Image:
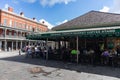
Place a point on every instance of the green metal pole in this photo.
(47, 49)
(77, 44)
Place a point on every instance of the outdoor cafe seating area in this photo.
(107, 57)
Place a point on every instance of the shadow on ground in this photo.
(100, 70)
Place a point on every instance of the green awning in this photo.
(82, 34)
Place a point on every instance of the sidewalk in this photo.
(9, 53)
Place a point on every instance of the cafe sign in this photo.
(89, 33)
(92, 32)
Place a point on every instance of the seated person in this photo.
(118, 50)
(90, 52)
(85, 51)
(113, 52)
(105, 53)
(105, 57)
(74, 53)
(90, 56)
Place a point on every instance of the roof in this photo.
(92, 19)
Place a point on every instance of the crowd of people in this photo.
(106, 56)
(35, 51)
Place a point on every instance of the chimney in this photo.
(10, 9)
(22, 14)
(34, 19)
(43, 22)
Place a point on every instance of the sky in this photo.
(56, 12)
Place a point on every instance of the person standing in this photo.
(19, 51)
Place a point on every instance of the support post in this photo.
(59, 45)
(77, 44)
(29, 42)
(16, 45)
(5, 46)
(47, 49)
(21, 45)
(12, 45)
(0, 45)
(85, 43)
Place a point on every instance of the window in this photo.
(23, 26)
(10, 23)
(10, 33)
(36, 29)
(33, 29)
(23, 34)
(15, 34)
(15, 24)
(30, 28)
(27, 27)
(20, 25)
(5, 22)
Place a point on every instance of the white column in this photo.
(5, 32)
(85, 43)
(55, 44)
(5, 46)
(29, 42)
(12, 45)
(0, 45)
(21, 45)
(66, 44)
(25, 43)
(16, 45)
(77, 44)
(36, 42)
(17, 34)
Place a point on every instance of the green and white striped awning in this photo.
(83, 33)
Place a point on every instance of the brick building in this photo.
(14, 28)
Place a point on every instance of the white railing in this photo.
(2, 36)
(14, 37)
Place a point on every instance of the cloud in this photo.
(29, 1)
(15, 1)
(45, 2)
(53, 2)
(58, 23)
(6, 6)
(46, 23)
(116, 6)
(105, 9)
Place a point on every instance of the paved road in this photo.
(16, 67)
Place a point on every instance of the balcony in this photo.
(15, 37)
(2, 36)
